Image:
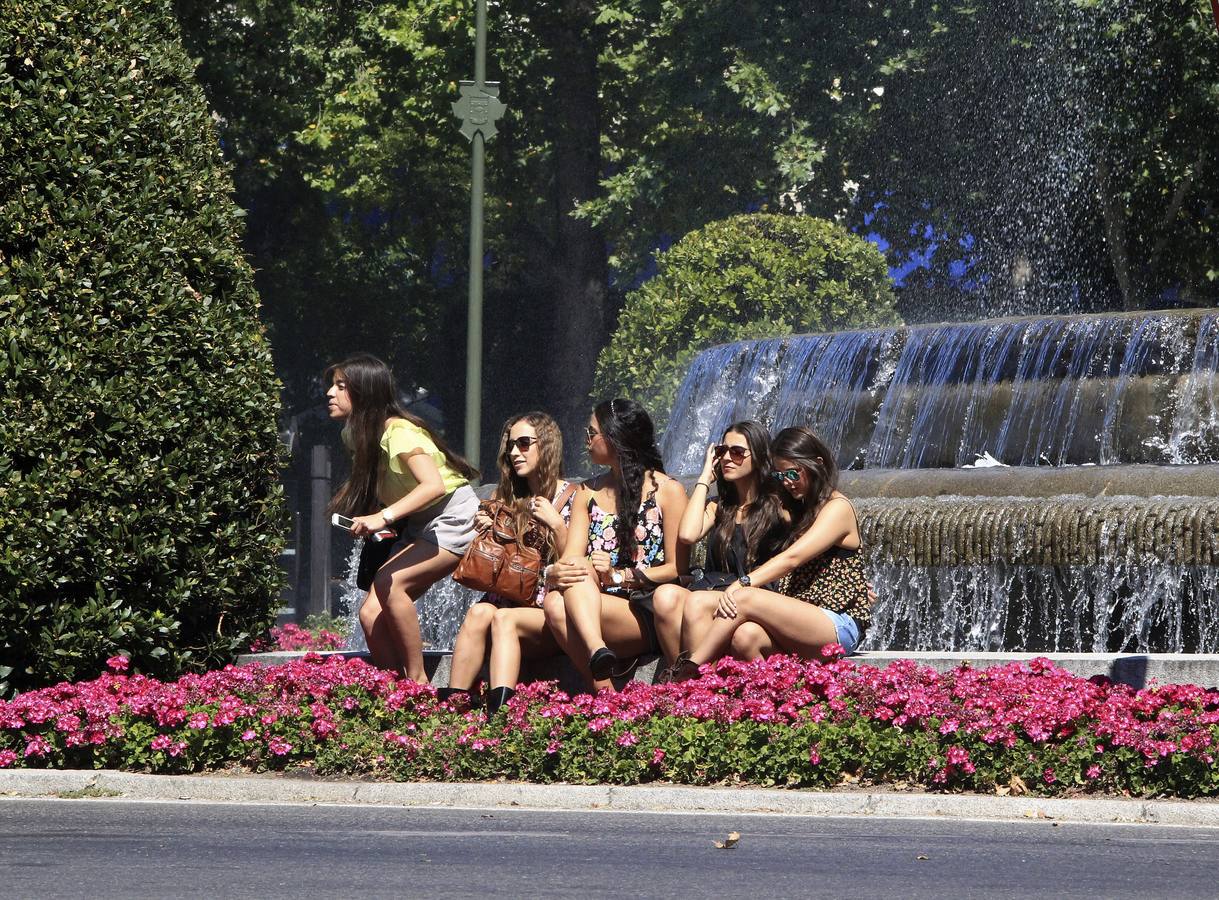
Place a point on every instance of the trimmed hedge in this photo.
(139, 497)
(747, 276)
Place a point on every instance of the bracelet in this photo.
(702, 484)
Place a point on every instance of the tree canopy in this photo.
(1035, 156)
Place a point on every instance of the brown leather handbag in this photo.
(499, 561)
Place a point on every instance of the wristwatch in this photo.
(745, 581)
(617, 577)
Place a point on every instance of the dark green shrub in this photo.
(748, 276)
(139, 499)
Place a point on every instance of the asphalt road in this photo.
(100, 848)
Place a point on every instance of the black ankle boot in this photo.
(449, 693)
(497, 697)
(602, 663)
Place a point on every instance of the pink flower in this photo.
(7, 758)
(160, 742)
(249, 734)
(198, 720)
(658, 756)
(1093, 772)
(957, 756)
(118, 663)
(627, 739)
(279, 746)
(37, 746)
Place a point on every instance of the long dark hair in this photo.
(374, 400)
(514, 489)
(629, 430)
(764, 526)
(811, 454)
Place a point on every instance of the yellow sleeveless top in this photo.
(396, 482)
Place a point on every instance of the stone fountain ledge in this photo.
(1136, 670)
(1034, 481)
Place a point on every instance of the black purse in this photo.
(709, 581)
(373, 555)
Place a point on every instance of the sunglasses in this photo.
(591, 432)
(737, 454)
(792, 475)
(521, 443)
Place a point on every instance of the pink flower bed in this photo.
(293, 637)
(780, 721)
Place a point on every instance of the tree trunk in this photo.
(579, 284)
(1115, 234)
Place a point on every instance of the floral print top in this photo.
(649, 535)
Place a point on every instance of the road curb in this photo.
(31, 783)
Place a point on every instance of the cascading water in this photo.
(1053, 391)
(988, 573)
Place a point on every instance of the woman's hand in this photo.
(363, 526)
(568, 573)
(727, 607)
(482, 521)
(543, 511)
(602, 565)
(709, 465)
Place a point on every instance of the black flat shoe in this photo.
(497, 697)
(602, 663)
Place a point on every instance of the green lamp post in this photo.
(478, 109)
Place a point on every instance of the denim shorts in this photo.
(847, 629)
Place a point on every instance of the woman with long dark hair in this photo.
(403, 477)
(622, 542)
(745, 524)
(530, 460)
(822, 596)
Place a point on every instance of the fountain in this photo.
(1099, 531)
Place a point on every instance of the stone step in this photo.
(1136, 670)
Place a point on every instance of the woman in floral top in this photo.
(531, 454)
(622, 543)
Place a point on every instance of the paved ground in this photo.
(103, 848)
(35, 783)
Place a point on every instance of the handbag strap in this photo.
(568, 493)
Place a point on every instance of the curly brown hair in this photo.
(514, 490)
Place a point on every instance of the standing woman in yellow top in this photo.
(402, 476)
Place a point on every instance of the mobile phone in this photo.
(342, 521)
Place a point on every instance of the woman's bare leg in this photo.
(518, 631)
(397, 585)
(697, 617)
(381, 644)
(471, 644)
(668, 605)
(626, 632)
(583, 605)
(793, 626)
(555, 609)
(750, 641)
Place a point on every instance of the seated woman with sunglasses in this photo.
(823, 596)
(745, 524)
(621, 543)
(529, 483)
